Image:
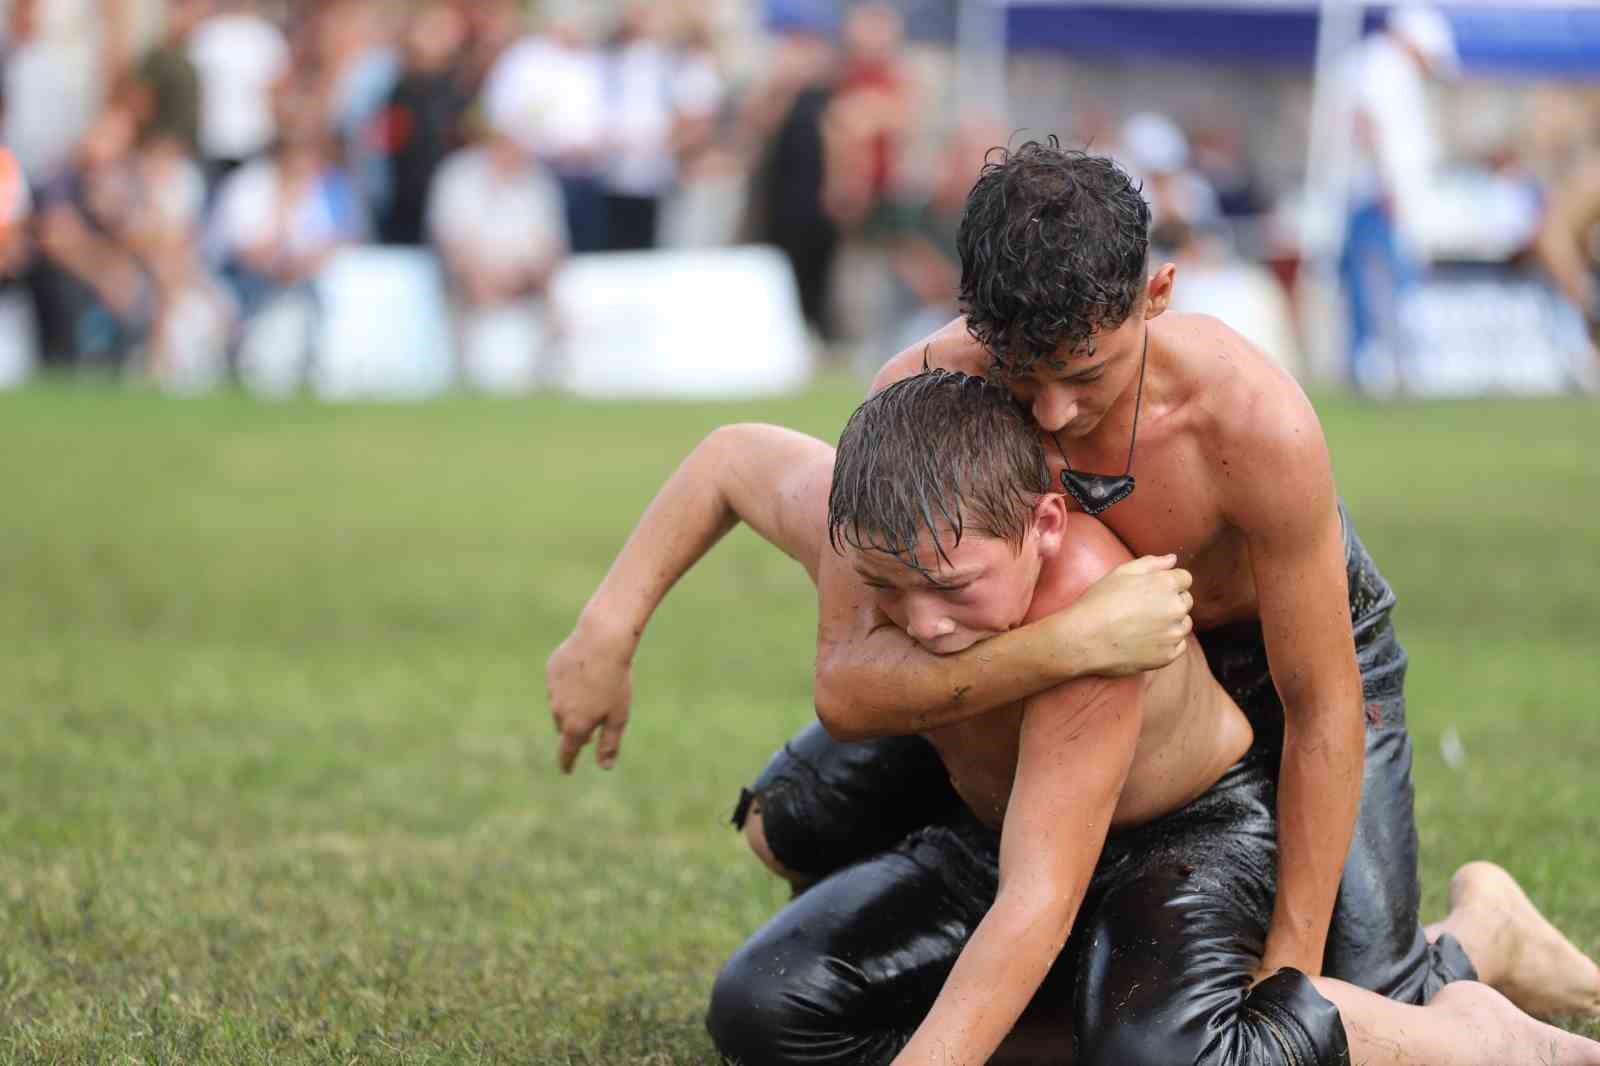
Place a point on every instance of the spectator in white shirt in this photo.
(279, 219)
(1386, 109)
(496, 217)
(547, 93)
(50, 98)
(641, 107)
(239, 57)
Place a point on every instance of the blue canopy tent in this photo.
(1544, 40)
(1532, 39)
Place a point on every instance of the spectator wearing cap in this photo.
(1182, 201)
(1396, 155)
(95, 295)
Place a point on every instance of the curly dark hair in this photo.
(1053, 246)
(941, 449)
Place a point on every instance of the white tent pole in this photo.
(981, 57)
(1328, 145)
(1328, 160)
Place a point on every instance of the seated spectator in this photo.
(194, 313)
(497, 219)
(548, 93)
(422, 122)
(279, 220)
(168, 82)
(91, 282)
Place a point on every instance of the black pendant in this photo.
(1096, 492)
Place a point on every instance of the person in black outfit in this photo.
(423, 120)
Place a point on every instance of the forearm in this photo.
(998, 973)
(1319, 796)
(883, 684)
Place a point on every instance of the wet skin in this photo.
(1190, 731)
(1234, 478)
(1197, 371)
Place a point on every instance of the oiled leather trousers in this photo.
(1157, 969)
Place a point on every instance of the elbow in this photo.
(724, 437)
(839, 715)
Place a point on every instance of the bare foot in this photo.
(1499, 1033)
(1516, 950)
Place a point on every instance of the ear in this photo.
(1050, 523)
(1158, 290)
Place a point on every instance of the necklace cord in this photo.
(1138, 401)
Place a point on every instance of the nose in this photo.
(1052, 410)
(926, 622)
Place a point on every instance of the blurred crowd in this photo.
(220, 170)
(163, 216)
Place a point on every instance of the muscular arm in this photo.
(873, 680)
(773, 479)
(1077, 745)
(1289, 514)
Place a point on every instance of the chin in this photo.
(1079, 428)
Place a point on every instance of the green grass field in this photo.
(278, 778)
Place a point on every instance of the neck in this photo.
(1162, 390)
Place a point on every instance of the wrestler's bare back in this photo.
(1190, 731)
(1198, 369)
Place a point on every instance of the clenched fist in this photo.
(1134, 619)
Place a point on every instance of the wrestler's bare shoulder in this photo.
(950, 347)
(1089, 551)
(1238, 400)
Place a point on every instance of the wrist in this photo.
(602, 631)
(1068, 654)
(1295, 952)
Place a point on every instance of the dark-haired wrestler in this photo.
(1233, 476)
(1134, 807)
